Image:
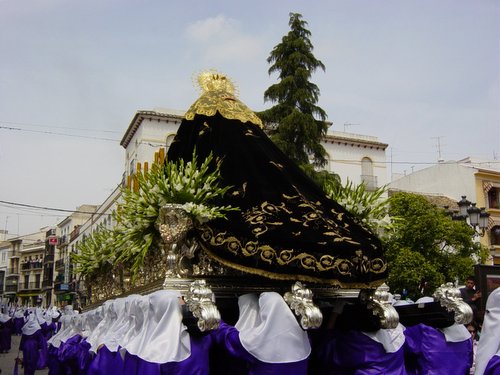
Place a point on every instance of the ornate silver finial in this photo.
(300, 301)
(200, 301)
(173, 223)
(381, 306)
(450, 298)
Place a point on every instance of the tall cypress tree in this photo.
(296, 124)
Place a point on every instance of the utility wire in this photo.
(58, 127)
(54, 133)
(49, 208)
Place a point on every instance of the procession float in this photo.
(225, 213)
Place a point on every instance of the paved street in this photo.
(7, 359)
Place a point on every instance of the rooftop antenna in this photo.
(438, 145)
(347, 124)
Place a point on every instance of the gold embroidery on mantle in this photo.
(281, 276)
(218, 95)
(263, 218)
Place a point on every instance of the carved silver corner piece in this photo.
(450, 298)
(200, 301)
(300, 301)
(173, 223)
(381, 306)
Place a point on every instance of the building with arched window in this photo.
(357, 158)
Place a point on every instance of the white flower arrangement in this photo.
(194, 186)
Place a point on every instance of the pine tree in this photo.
(296, 124)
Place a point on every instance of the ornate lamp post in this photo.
(477, 217)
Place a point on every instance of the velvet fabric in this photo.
(428, 352)
(348, 352)
(286, 229)
(53, 364)
(197, 363)
(493, 366)
(106, 362)
(6, 330)
(74, 355)
(18, 325)
(228, 337)
(34, 351)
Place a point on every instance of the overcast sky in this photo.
(414, 73)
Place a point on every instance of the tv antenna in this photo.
(438, 145)
(347, 124)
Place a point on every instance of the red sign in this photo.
(53, 241)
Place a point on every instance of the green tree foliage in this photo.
(296, 124)
(427, 246)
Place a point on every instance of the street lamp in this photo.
(478, 217)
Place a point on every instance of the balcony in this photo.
(11, 288)
(59, 263)
(12, 271)
(31, 266)
(29, 286)
(370, 182)
(47, 284)
(63, 240)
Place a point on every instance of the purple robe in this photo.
(197, 363)
(33, 347)
(74, 355)
(428, 352)
(354, 353)
(18, 325)
(493, 367)
(229, 337)
(53, 364)
(106, 362)
(6, 330)
(134, 365)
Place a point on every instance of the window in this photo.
(367, 176)
(495, 235)
(494, 198)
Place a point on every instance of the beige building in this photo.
(478, 181)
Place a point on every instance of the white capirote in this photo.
(249, 311)
(31, 325)
(108, 316)
(120, 326)
(489, 344)
(277, 337)
(391, 339)
(137, 315)
(65, 332)
(456, 333)
(163, 338)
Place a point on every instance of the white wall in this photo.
(450, 179)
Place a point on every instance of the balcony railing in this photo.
(46, 283)
(30, 286)
(59, 263)
(31, 266)
(10, 288)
